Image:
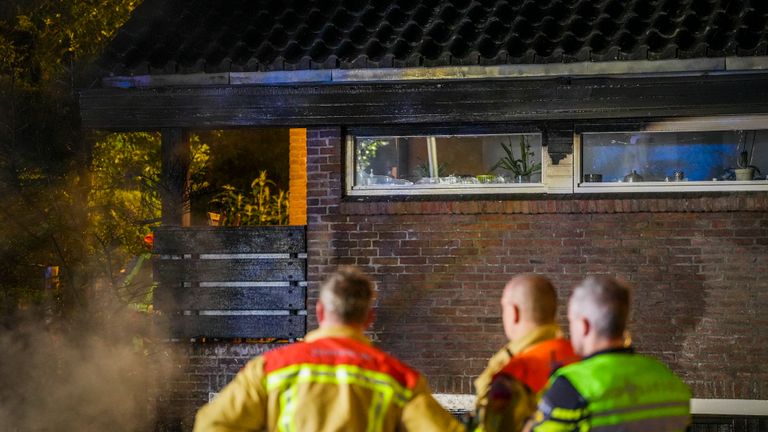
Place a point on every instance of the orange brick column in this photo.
(297, 181)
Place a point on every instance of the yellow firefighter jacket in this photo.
(333, 381)
(523, 395)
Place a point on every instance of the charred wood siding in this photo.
(704, 423)
(449, 102)
(245, 282)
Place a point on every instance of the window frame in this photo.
(440, 190)
(686, 124)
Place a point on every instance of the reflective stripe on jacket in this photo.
(333, 381)
(623, 391)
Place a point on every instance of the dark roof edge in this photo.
(330, 76)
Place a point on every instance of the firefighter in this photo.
(334, 380)
(612, 389)
(508, 389)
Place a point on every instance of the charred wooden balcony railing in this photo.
(221, 282)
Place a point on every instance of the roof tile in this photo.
(188, 36)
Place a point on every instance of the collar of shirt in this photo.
(539, 334)
(620, 350)
(340, 331)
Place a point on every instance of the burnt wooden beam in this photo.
(231, 281)
(174, 176)
(170, 271)
(455, 102)
(558, 137)
(177, 297)
(238, 326)
(230, 240)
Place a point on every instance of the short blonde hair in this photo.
(348, 294)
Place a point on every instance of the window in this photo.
(700, 155)
(438, 164)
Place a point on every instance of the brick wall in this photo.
(199, 368)
(698, 264)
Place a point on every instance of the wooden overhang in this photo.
(441, 102)
(192, 63)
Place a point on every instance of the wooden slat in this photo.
(169, 272)
(229, 240)
(238, 326)
(176, 297)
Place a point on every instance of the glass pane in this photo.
(674, 156)
(433, 161)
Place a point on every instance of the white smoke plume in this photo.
(104, 373)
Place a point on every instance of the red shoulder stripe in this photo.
(341, 351)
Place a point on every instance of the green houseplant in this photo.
(521, 167)
(261, 207)
(745, 170)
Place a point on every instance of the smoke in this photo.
(105, 372)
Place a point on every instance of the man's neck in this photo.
(336, 323)
(604, 344)
(525, 329)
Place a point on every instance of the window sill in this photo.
(681, 186)
(446, 189)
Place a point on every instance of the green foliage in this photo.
(260, 207)
(422, 170)
(45, 176)
(124, 204)
(366, 151)
(523, 166)
(45, 41)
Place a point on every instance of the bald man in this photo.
(507, 390)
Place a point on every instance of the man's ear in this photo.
(515, 314)
(369, 319)
(320, 311)
(586, 327)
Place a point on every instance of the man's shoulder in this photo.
(561, 405)
(602, 371)
(534, 365)
(623, 360)
(341, 352)
(561, 393)
(500, 359)
(405, 374)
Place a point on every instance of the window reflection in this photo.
(674, 156)
(434, 161)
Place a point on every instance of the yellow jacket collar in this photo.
(539, 334)
(340, 331)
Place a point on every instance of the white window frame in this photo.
(690, 124)
(483, 189)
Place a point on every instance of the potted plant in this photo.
(523, 167)
(745, 170)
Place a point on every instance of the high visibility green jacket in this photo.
(615, 390)
(333, 381)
